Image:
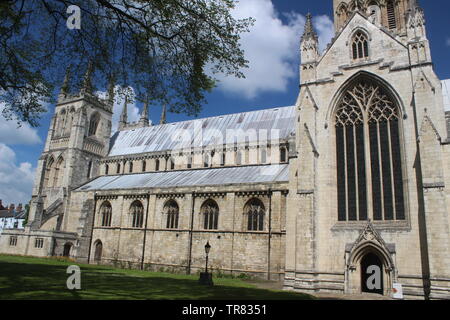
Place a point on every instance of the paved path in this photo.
(276, 285)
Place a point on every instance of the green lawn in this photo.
(35, 278)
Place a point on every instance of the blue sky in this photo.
(272, 79)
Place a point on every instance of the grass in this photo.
(39, 278)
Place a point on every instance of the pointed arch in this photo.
(58, 173)
(358, 77)
(255, 211)
(210, 212)
(93, 124)
(369, 161)
(171, 210)
(48, 182)
(105, 214)
(137, 214)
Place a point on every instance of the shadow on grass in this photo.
(39, 280)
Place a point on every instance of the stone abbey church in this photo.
(355, 175)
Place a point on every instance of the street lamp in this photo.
(207, 248)
(206, 277)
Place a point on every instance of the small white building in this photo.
(12, 219)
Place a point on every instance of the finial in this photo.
(163, 115)
(144, 116)
(124, 115)
(111, 86)
(309, 32)
(87, 83)
(65, 88)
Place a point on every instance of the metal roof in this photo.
(187, 178)
(206, 132)
(446, 94)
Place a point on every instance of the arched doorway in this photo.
(67, 247)
(98, 252)
(372, 274)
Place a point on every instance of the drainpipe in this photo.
(92, 228)
(145, 232)
(188, 271)
(270, 233)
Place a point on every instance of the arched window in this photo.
(283, 154)
(69, 122)
(360, 46)
(368, 140)
(144, 165)
(171, 164)
(254, 209)
(48, 171)
(171, 210)
(106, 169)
(210, 213)
(98, 251)
(342, 13)
(61, 123)
(206, 160)
(118, 168)
(58, 173)
(157, 165)
(238, 157)
(137, 214)
(93, 124)
(189, 162)
(263, 155)
(223, 158)
(106, 214)
(130, 166)
(391, 16)
(89, 169)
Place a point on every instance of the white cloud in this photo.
(271, 47)
(133, 110)
(16, 180)
(10, 133)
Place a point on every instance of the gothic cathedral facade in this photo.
(354, 177)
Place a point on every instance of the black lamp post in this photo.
(207, 248)
(206, 277)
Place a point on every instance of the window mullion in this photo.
(380, 163)
(346, 175)
(355, 156)
(394, 209)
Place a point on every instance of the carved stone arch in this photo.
(393, 94)
(369, 242)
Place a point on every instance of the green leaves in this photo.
(164, 49)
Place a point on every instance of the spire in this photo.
(144, 115)
(163, 115)
(87, 83)
(309, 32)
(124, 116)
(65, 86)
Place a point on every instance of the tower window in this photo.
(93, 124)
(392, 21)
(360, 46)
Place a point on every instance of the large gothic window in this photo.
(210, 212)
(106, 214)
(255, 215)
(368, 147)
(137, 214)
(171, 210)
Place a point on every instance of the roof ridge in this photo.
(212, 117)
